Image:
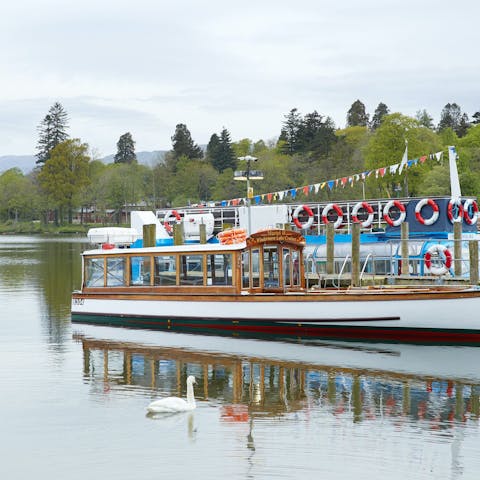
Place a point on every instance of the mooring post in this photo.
(149, 235)
(356, 255)
(330, 248)
(404, 232)
(203, 233)
(178, 233)
(473, 249)
(457, 248)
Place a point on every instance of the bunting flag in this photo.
(331, 184)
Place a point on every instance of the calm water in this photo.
(73, 398)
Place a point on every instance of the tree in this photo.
(476, 118)
(424, 119)
(378, 115)
(289, 140)
(222, 153)
(65, 174)
(357, 116)
(52, 131)
(452, 117)
(183, 144)
(125, 149)
(463, 126)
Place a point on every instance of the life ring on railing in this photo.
(457, 204)
(470, 204)
(418, 211)
(296, 214)
(167, 218)
(443, 252)
(368, 208)
(338, 222)
(388, 218)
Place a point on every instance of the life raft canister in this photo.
(388, 218)
(470, 206)
(333, 206)
(455, 210)
(418, 211)
(444, 253)
(299, 210)
(167, 218)
(368, 208)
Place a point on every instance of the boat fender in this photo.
(418, 211)
(368, 208)
(388, 218)
(470, 205)
(296, 214)
(455, 206)
(167, 218)
(444, 253)
(338, 210)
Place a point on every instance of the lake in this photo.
(73, 402)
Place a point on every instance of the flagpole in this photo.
(406, 170)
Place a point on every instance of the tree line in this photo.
(68, 179)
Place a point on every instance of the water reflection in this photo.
(247, 387)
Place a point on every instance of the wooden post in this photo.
(149, 235)
(330, 248)
(356, 255)
(404, 248)
(203, 233)
(457, 248)
(178, 235)
(473, 249)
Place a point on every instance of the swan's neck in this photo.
(190, 397)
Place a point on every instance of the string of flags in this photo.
(331, 184)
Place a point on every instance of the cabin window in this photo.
(255, 267)
(219, 269)
(140, 270)
(296, 267)
(165, 270)
(94, 272)
(287, 261)
(191, 269)
(270, 267)
(245, 269)
(116, 271)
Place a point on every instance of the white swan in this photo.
(175, 404)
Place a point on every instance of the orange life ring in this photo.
(418, 211)
(441, 251)
(298, 211)
(457, 204)
(471, 220)
(368, 208)
(166, 220)
(338, 210)
(388, 218)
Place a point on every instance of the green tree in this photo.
(476, 118)
(357, 115)
(424, 119)
(65, 175)
(222, 154)
(125, 149)
(452, 117)
(289, 139)
(183, 145)
(378, 115)
(17, 196)
(51, 131)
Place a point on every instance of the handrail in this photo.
(365, 266)
(341, 271)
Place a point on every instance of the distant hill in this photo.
(26, 163)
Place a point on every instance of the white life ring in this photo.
(444, 253)
(458, 204)
(338, 222)
(368, 208)
(386, 213)
(167, 218)
(298, 211)
(418, 211)
(471, 220)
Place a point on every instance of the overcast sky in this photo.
(144, 66)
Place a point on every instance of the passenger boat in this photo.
(257, 287)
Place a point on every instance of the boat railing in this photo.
(339, 277)
(369, 257)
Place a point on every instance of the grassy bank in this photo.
(13, 228)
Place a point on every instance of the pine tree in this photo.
(51, 131)
(290, 134)
(212, 148)
(223, 155)
(378, 115)
(424, 118)
(125, 149)
(183, 144)
(357, 116)
(476, 118)
(450, 117)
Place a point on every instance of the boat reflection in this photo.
(346, 380)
